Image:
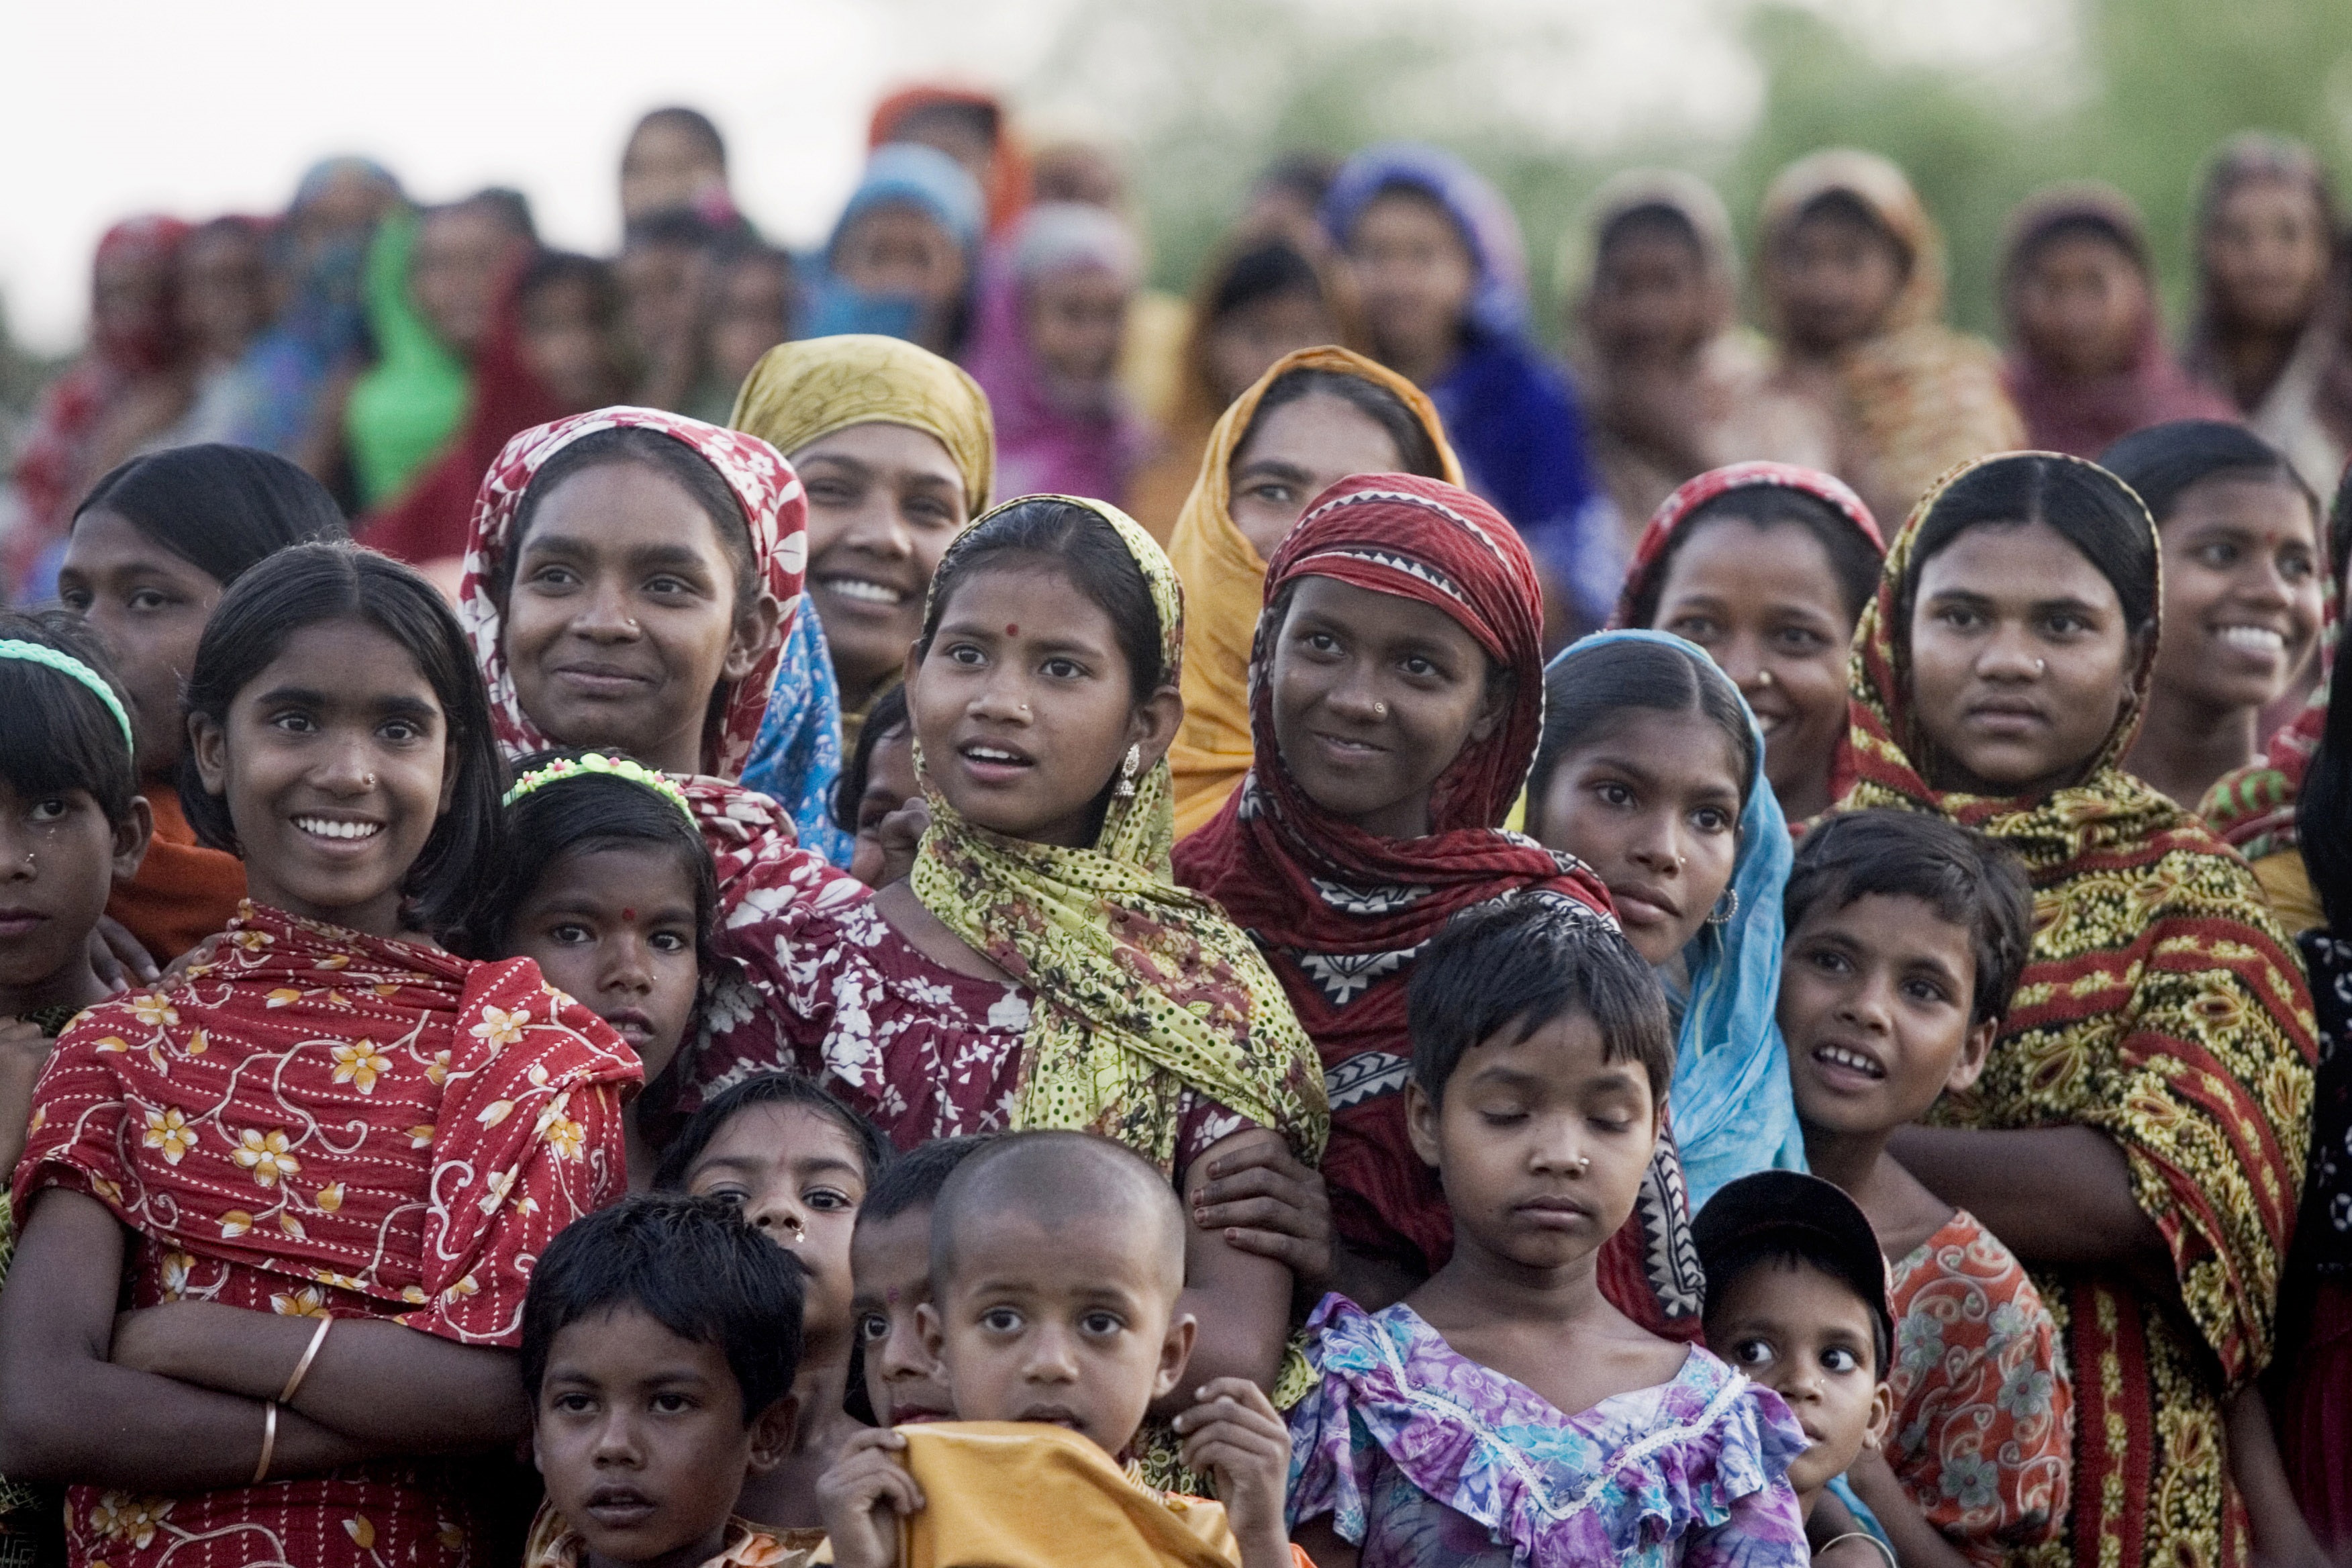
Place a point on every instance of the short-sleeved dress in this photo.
(1427, 1459)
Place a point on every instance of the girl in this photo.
(905, 253)
(2144, 1113)
(2244, 595)
(1853, 282)
(1037, 968)
(748, 305)
(2087, 362)
(1053, 318)
(1398, 692)
(154, 545)
(600, 878)
(1766, 567)
(332, 1124)
(1504, 1412)
(972, 128)
(1315, 417)
(1437, 262)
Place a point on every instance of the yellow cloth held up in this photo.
(1008, 1494)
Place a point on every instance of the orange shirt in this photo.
(183, 892)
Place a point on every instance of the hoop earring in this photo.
(1724, 908)
(1128, 766)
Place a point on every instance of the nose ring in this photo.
(1379, 709)
(1584, 1163)
(1763, 679)
(2041, 667)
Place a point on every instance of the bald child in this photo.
(1057, 1260)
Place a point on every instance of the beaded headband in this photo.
(68, 665)
(636, 773)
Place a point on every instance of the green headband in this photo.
(66, 664)
(634, 772)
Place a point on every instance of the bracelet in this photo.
(269, 1442)
(302, 1367)
(1882, 1549)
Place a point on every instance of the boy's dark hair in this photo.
(553, 268)
(913, 1180)
(586, 811)
(1042, 531)
(306, 585)
(55, 733)
(1058, 1178)
(1588, 694)
(887, 714)
(768, 1088)
(1966, 878)
(1517, 963)
(1854, 560)
(221, 508)
(1416, 448)
(693, 1266)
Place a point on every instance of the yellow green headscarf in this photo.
(800, 391)
(1140, 989)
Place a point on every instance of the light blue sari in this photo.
(797, 756)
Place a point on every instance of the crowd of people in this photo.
(917, 906)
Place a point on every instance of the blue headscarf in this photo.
(914, 175)
(796, 756)
(1498, 301)
(1731, 1105)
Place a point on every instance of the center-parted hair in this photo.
(1502, 971)
(693, 1266)
(1588, 694)
(222, 509)
(1041, 531)
(1057, 1179)
(769, 1088)
(1416, 451)
(2083, 503)
(1854, 562)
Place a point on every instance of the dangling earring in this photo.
(1128, 766)
(1724, 908)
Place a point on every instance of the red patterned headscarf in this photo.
(1667, 522)
(774, 508)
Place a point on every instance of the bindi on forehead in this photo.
(1011, 630)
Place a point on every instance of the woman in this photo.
(896, 452)
(904, 257)
(2087, 363)
(969, 127)
(1675, 384)
(1437, 263)
(1264, 465)
(2270, 320)
(2244, 589)
(1766, 567)
(2138, 1135)
(1853, 284)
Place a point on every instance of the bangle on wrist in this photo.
(269, 1442)
(1877, 1545)
(302, 1367)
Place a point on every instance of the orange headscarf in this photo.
(1008, 166)
(1225, 588)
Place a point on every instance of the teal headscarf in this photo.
(407, 405)
(1731, 1107)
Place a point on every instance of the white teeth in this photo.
(988, 754)
(1838, 1057)
(324, 828)
(2254, 639)
(859, 588)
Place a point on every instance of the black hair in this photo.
(1785, 1249)
(1265, 270)
(56, 734)
(887, 714)
(2324, 804)
(693, 1266)
(2163, 460)
(2078, 226)
(1588, 695)
(768, 1088)
(1519, 962)
(221, 508)
(1660, 220)
(509, 206)
(984, 117)
(1305, 173)
(1077, 542)
(694, 123)
(1966, 878)
(306, 585)
(553, 268)
(2085, 505)
(1846, 207)
(680, 227)
(1416, 448)
(1854, 561)
(1056, 1178)
(914, 1178)
(583, 813)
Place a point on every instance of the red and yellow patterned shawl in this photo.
(2162, 1005)
(322, 1122)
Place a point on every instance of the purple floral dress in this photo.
(1427, 1459)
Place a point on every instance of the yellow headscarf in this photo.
(1225, 589)
(1139, 989)
(800, 391)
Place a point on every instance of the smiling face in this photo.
(643, 1439)
(1806, 1336)
(1374, 697)
(612, 925)
(1539, 1144)
(148, 606)
(1415, 275)
(2081, 303)
(1077, 320)
(797, 1175)
(1293, 454)
(2266, 250)
(59, 859)
(2020, 661)
(1835, 277)
(891, 1260)
(1651, 804)
(335, 761)
(1076, 1327)
(620, 622)
(883, 501)
(1875, 1004)
(1767, 607)
(2242, 592)
(1025, 706)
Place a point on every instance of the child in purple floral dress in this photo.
(1504, 1412)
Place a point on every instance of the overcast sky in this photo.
(131, 105)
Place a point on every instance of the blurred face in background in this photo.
(224, 289)
(897, 250)
(1247, 340)
(568, 343)
(2266, 252)
(661, 293)
(1837, 275)
(128, 289)
(462, 254)
(1078, 172)
(666, 166)
(751, 312)
(1077, 320)
(1650, 298)
(1415, 275)
(2082, 304)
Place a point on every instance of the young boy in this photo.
(1056, 1259)
(659, 1341)
(1907, 935)
(890, 1273)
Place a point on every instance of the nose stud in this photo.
(1379, 709)
(1763, 679)
(1583, 1164)
(2041, 667)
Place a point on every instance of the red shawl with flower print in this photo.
(320, 1121)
